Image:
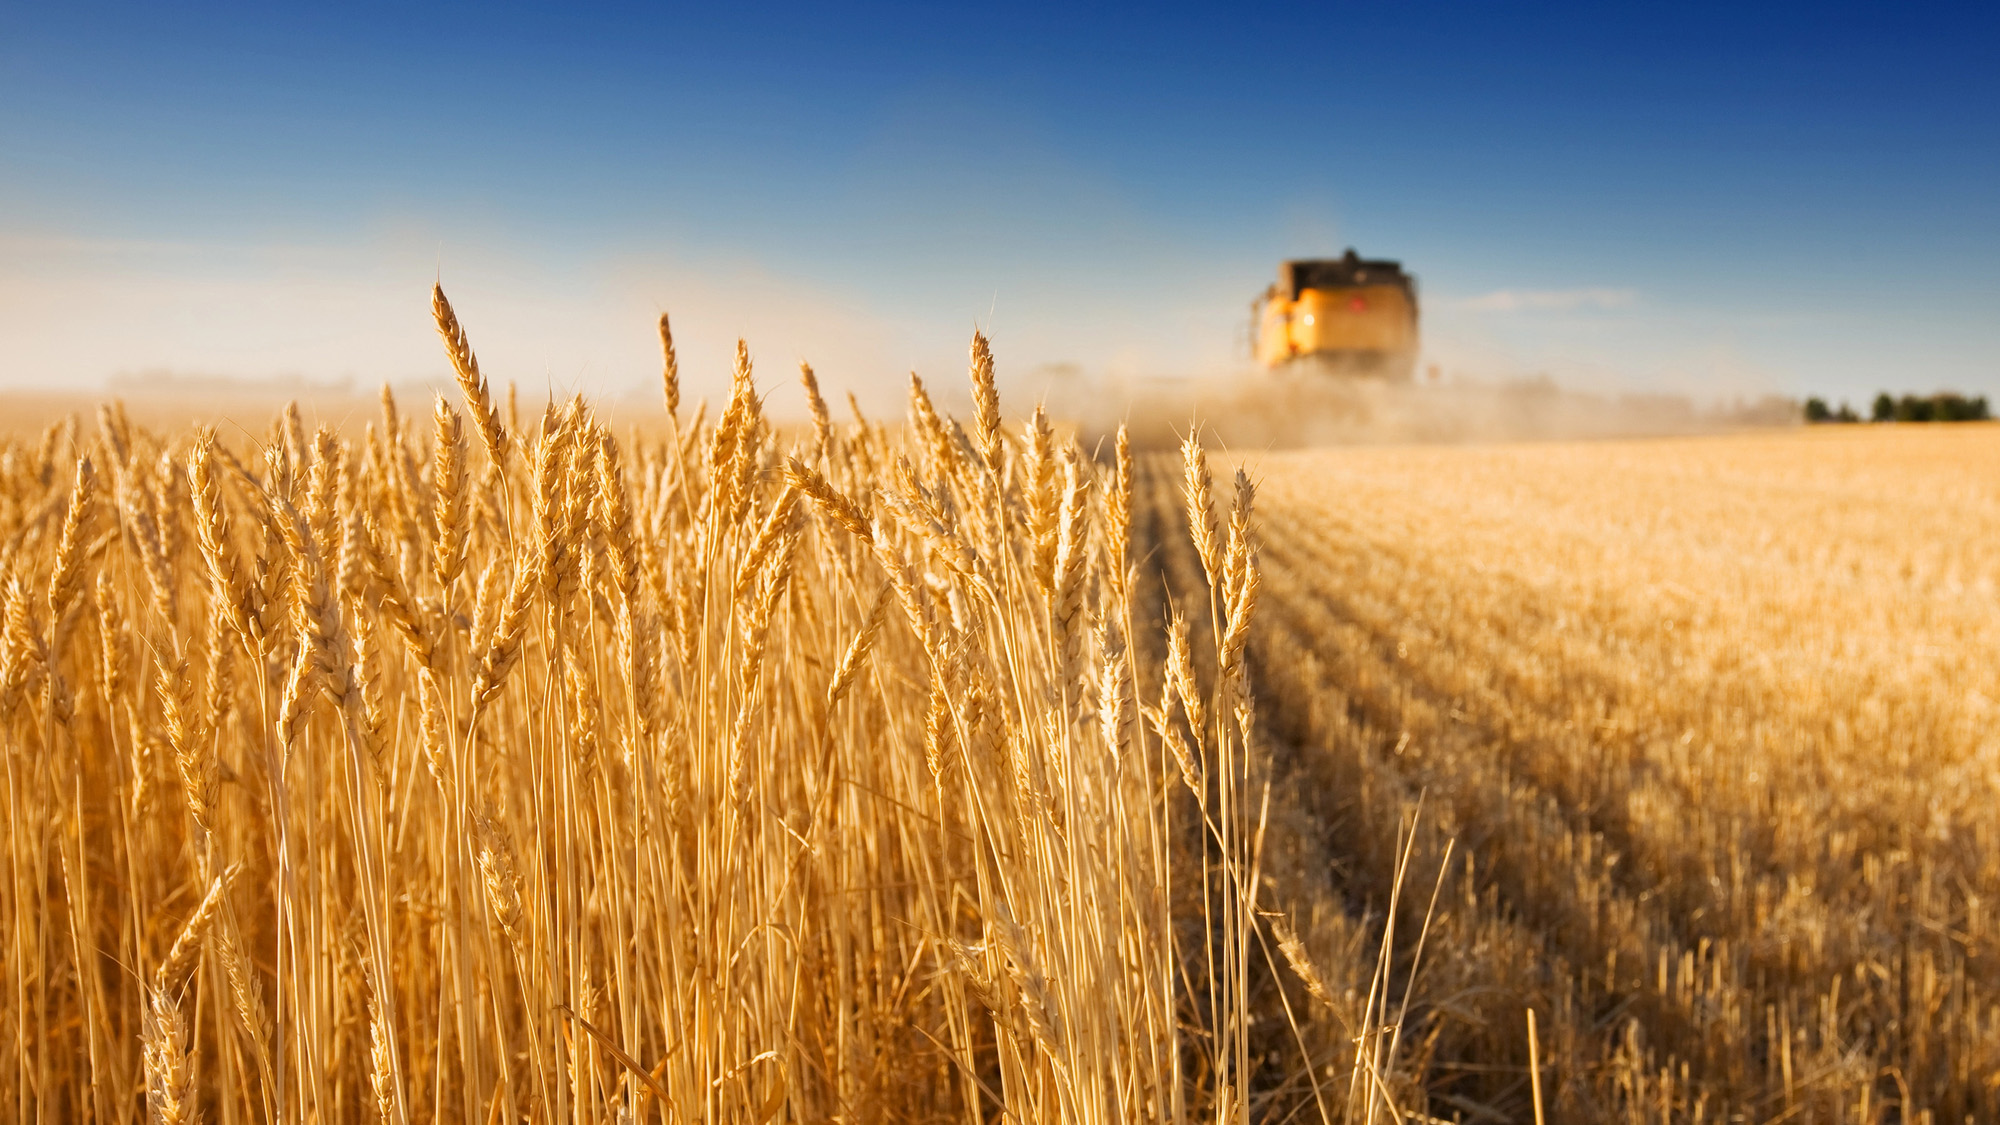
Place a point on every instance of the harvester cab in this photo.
(1348, 315)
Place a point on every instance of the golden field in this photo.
(487, 769)
(1712, 723)
(495, 765)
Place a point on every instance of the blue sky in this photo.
(1713, 198)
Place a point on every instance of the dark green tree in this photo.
(1950, 407)
(1912, 408)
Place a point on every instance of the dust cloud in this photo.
(1258, 410)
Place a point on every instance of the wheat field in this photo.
(480, 769)
(468, 766)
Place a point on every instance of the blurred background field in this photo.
(1712, 723)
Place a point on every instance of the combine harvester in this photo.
(1348, 315)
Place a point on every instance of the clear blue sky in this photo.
(1713, 197)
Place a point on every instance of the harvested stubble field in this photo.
(1712, 723)
(484, 769)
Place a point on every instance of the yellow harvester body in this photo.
(1348, 314)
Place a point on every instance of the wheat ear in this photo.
(1199, 487)
(168, 1060)
(1180, 672)
(179, 965)
(857, 651)
(1114, 702)
(66, 583)
(185, 736)
(448, 483)
(670, 373)
(816, 404)
(1042, 498)
(986, 403)
(465, 366)
(501, 875)
(1295, 956)
(1066, 607)
(1118, 516)
(831, 502)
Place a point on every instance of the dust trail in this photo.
(1302, 409)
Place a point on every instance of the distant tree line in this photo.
(1944, 406)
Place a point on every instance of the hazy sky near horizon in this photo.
(1716, 198)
